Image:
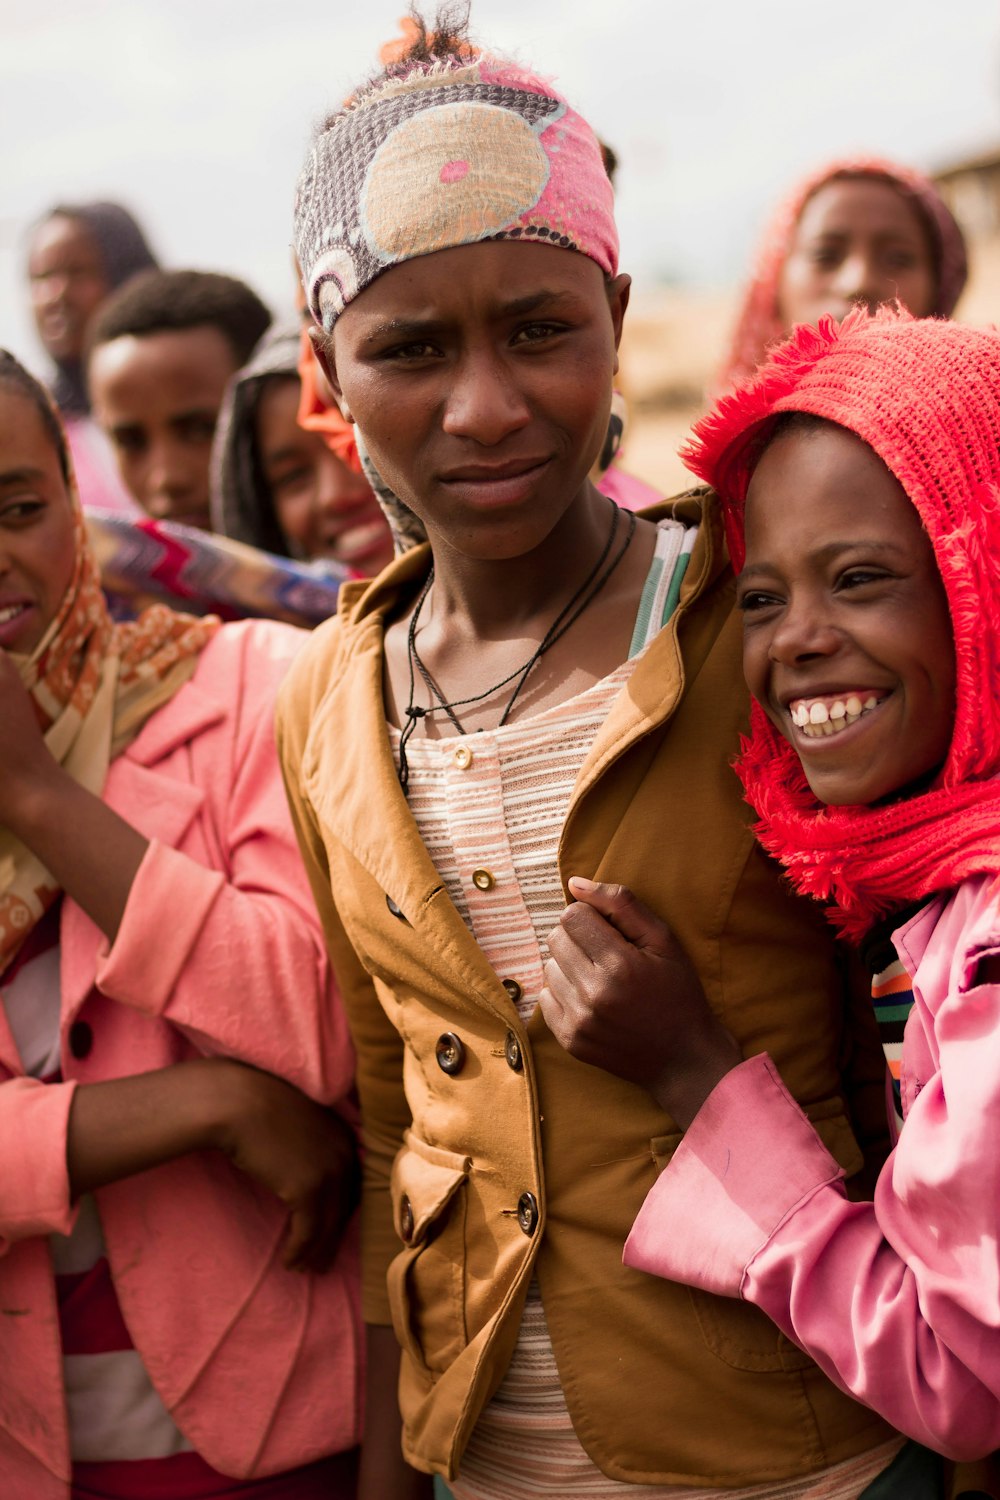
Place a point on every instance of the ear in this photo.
(617, 290)
(322, 346)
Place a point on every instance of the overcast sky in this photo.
(196, 113)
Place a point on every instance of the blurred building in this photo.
(971, 189)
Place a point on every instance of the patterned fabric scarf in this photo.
(925, 396)
(144, 562)
(94, 684)
(758, 325)
(440, 154)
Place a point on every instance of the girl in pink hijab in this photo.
(857, 231)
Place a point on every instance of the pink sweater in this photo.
(219, 951)
(899, 1300)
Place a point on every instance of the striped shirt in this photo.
(892, 996)
(494, 805)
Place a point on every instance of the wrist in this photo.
(217, 1099)
(686, 1089)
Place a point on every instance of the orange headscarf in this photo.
(316, 415)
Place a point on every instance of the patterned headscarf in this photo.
(445, 153)
(924, 394)
(94, 684)
(242, 507)
(317, 415)
(758, 325)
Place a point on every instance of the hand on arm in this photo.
(304, 1154)
(91, 852)
(621, 994)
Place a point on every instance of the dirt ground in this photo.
(674, 342)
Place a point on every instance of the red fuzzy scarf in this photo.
(925, 395)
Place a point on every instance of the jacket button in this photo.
(527, 1212)
(483, 880)
(406, 1221)
(512, 1052)
(81, 1038)
(450, 1053)
(513, 989)
(396, 911)
(463, 757)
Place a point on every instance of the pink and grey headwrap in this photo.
(441, 154)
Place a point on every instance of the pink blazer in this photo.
(897, 1300)
(219, 951)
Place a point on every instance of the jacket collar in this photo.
(348, 769)
(656, 685)
(190, 711)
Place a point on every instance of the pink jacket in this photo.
(897, 1300)
(219, 950)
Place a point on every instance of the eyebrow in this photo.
(138, 424)
(829, 553)
(278, 455)
(421, 327)
(897, 232)
(19, 476)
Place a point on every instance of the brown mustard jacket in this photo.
(665, 1385)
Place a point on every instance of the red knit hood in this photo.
(925, 396)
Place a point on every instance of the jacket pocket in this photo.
(736, 1332)
(426, 1281)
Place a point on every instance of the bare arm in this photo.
(93, 854)
(302, 1153)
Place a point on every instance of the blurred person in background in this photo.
(161, 353)
(857, 232)
(291, 489)
(78, 255)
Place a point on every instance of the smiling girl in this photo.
(166, 1206)
(547, 685)
(860, 473)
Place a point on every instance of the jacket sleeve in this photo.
(385, 1114)
(234, 956)
(34, 1179)
(897, 1300)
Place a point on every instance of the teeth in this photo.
(11, 612)
(816, 720)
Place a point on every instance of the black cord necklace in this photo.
(568, 616)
